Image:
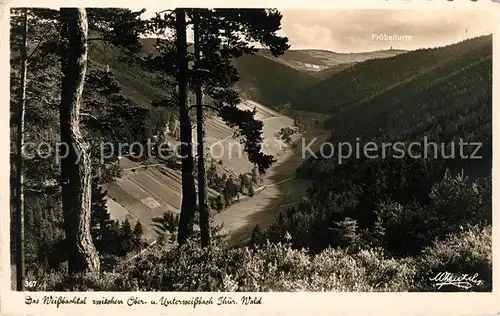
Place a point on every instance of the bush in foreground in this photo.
(466, 252)
(270, 267)
(278, 268)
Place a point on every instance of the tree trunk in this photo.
(200, 132)
(76, 165)
(19, 196)
(188, 206)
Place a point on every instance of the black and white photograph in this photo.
(164, 149)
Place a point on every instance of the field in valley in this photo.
(145, 193)
(279, 189)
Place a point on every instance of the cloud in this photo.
(307, 36)
(351, 30)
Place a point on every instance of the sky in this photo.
(350, 31)
(357, 30)
(362, 30)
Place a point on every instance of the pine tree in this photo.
(114, 243)
(126, 237)
(347, 233)
(137, 232)
(101, 221)
(218, 49)
(169, 222)
(257, 236)
(119, 26)
(30, 175)
(251, 190)
(203, 210)
(19, 192)
(76, 167)
(230, 190)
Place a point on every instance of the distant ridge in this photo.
(366, 79)
(324, 59)
(275, 81)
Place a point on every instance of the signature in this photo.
(463, 281)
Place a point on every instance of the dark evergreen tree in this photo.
(137, 232)
(257, 237)
(19, 185)
(220, 41)
(126, 237)
(347, 233)
(101, 221)
(42, 94)
(76, 166)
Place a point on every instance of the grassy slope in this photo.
(136, 83)
(275, 81)
(272, 79)
(269, 82)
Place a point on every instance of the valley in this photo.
(145, 194)
(323, 171)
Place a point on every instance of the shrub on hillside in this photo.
(457, 202)
(454, 202)
(58, 281)
(405, 228)
(270, 267)
(466, 252)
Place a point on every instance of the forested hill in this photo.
(136, 83)
(379, 215)
(451, 102)
(397, 201)
(262, 79)
(367, 79)
(316, 60)
(271, 81)
(453, 98)
(275, 81)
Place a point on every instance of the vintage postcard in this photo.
(225, 159)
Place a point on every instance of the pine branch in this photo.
(43, 189)
(38, 45)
